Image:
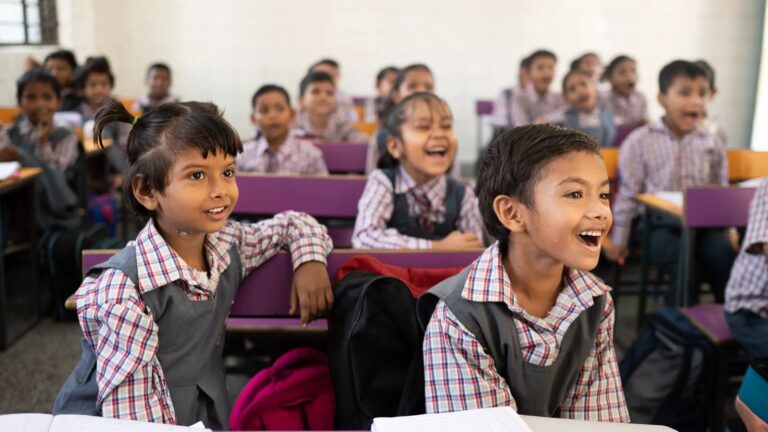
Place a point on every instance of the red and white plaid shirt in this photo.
(60, 155)
(378, 202)
(460, 375)
(296, 156)
(654, 159)
(748, 286)
(123, 333)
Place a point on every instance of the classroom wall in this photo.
(760, 128)
(223, 50)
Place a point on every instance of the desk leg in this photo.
(685, 265)
(642, 295)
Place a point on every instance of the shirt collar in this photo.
(434, 189)
(289, 146)
(659, 126)
(25, 126)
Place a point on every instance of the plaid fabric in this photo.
(654, 159)
(459, 375)
(338, 129)
(529, 105)
(377, 204)
(627, 110)
(296, 156)
(123, 333)
(59, 156)
(748, 286)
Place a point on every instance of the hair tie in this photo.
(135, 119)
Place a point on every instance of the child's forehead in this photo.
(193, 156)
(429, 109)
(683, 80)
(321, 85)
(271, 97)
(38, 87)
(583, 164)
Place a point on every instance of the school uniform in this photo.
(714, 126)
(654, 159)
(529, 105)
(482, 349)
(746, 296)
(296, 156)
(117, 154)
(501, 117)
(598, 123)
(345, 107)
(395, 212)
(69, 99)
(627, 110)
(144, 104)
(153, 326)
(338, 129)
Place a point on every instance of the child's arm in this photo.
(470, 220)
(124, 338)
(520, 115)
(597, 394)
(316, 163)
(458, 374)
(631, 167)
(720, 163)
(756, 237)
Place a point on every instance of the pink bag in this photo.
(295, 393)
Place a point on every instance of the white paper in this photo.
(80, 423)
(755, 182)
(25, 422)
(68, 119)
(675, 197)
(7, 169)
(500, 419)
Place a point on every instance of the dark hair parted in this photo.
(35, 76)
(614, 64)
(514, 161)
(314, 77)
(269, 88)
(402, 75)
(542, 53)
(399, 115)
(710, 73)
(158, 137)
(94, 65)
(159, 66)
(383, 73)
(676, 69)
(66, 55)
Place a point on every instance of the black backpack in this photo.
(374, 350)
(662, 373)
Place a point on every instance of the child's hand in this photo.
(44, 128)
(750, 419)
(311, 291)
(615, 252)
(9, 153)
(458, 240)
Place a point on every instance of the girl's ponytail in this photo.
(110, 111)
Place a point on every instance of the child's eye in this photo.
(197, 175)
(605, 196)
(229, 173)
(575, 195)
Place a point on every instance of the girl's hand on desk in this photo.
(311, 293)
(458, 240)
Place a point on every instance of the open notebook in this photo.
(503, 419)
(81, 423)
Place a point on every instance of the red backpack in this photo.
(295, 393)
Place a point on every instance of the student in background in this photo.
(711, 122)
(36, 142)
(276, 148)
(672, 154)
(317, 98)
(501, 118)
(152, 316)
(62, 65)
(590, 64)
(345, 107)
(537, 100)
(628, 105)
(585, 112)
(410, 202)
(158, 82)
(526, 325)
(385, 82)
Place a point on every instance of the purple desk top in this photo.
(483, 107)
(715, 207)
(344, 157)
(710, 319)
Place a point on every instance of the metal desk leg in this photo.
(643, 294)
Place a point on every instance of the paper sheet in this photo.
(675, 198)
(8, 168)
(502, 419)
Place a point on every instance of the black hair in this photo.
(542, 53)
(397, 116)
(710, 73)
(326, 61)
(159, 136)
(93, 65)
(613, 65)
(402, 74)
(269, 88)
(576, 63)
(512, 165)
(571, 73)
(676, 69)
(66, 55)
(314, 77)
(383, 73)
(160, 66)
(33, 76)
(525, 63)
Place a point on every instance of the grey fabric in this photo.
(537, 390)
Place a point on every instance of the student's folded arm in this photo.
(458, 374)
(470, 220)
(296, 232)
(631, 167)
(62, 156)
(757, 227)
(124, 337)
(373, 211)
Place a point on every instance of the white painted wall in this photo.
(223, 50)
(760, 129)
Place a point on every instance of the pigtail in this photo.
(110, 111)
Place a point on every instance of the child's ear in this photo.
(292, 113)
(394, 148)
(144, 194)
(509, 211)
(662, 98)
(253, 117)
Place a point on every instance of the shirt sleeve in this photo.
(720, 163)
(374, 210)
(500, 116)
(757, 227)
(60, 156)
(470, 220)
(598, 394)
(458, 374)
(124, 338)
(520, 115)
(316, 163)
(297, 232)
(632, 172)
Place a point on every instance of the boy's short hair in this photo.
(94, 65)
(676, 69)
(525, 63)
(314, 77)
(269, 88)
(33, 76)
(66, 55)
(383, 73)
(326, 61)
(159, 65)
(513, 163)
(542, 53)
(710, 72)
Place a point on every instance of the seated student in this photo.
(36, 142)
(590, 64)
(672, 154)
(385, 82)
(277, 149)
(585, 112)
(526, 325)
(152, 316)
(628, 105)
(410, 202)
(158, 82)
(537, 101)
(345, 107)
(316, 117)
(501, 117)
(709, 121)
(62, 65)
(746, 296)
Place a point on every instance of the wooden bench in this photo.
(746, 164)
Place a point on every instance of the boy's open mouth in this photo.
(590, 238)
(691, 115)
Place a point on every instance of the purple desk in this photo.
(483, 107)
(344, 158)
(710, 319)
(622, 132)
(359, 100)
